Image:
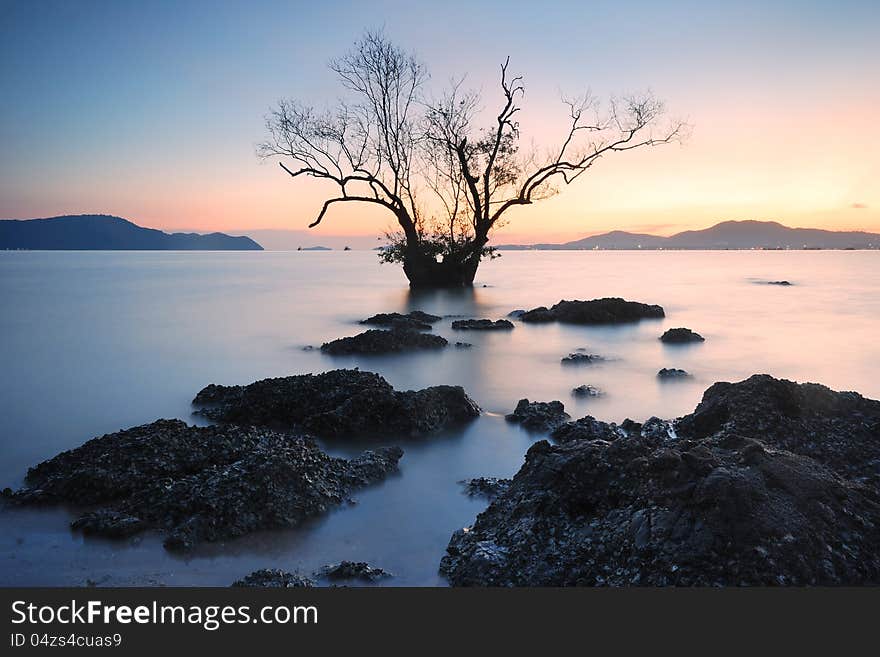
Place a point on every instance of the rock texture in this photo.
(482, 325)
(489, 487)
(414, 320)
(580, 358)
(338, 403)
(767, 483)
(353, 570)
(274, 578)
(610, 310)
(538, 416)
(199, 483)
(672, 373)
(379, 341)
(586, 390)
(681, 336)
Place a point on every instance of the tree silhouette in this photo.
(447, 182)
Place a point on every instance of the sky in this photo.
(152, 110)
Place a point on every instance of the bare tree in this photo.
(447, 182)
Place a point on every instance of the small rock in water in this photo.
(485, 486)
(415, 320)
(274, 578)
(353, 570)
(463, 345)
(596, 311)
(580, 358)
(778, 283)
(586, 391)
(681, 335)
(482, 325)
(378, 341)
(539, 416)
(672, 373)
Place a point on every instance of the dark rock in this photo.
(586, 428)
(274, 578)
(839, 429)
(200, 483)
(482, 325)
(516, 314)
(353, 570)
(106, 522)
(597, 311)
(414, 320)
(736, 500)
(778, 283)
(338, 403)
(463, 345)
(378, 341)
(538, 416)
(672, 373)
(485, 486)
(586, 391)
(681, 335)
(580, 358)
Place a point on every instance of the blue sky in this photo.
(152, 109)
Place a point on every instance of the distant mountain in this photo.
(100, 232)
(726, 235)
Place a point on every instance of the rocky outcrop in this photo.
(681, 336)
(338, 403)
(414, 320)
(610, 310)
(672, 373)
(586, 390)
(586, 428)
(353, 570)
(199, 483)
(538, 416)
(766, 483)
(275, 579)
(379, 341)
(489, 487)
(482, 325)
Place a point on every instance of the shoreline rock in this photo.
(338, 403)
(199, 484)
(767, 482)
(609, 310)
(382, 341)
(274, 578)
(488, 487)
(353, 570)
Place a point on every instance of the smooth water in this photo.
(92, 342)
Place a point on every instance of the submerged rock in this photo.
(274, 578)
(200, 483)
(769, 483)
(681, 335)
(379, 341)
(482, 325)
(485, 486)
(353, 570)
(414, 320)
(610, 310)
(580, 358)
(672, 373)
(538, 416)
(586, 391)
(463, 345)
(778, 283)
(338, 403)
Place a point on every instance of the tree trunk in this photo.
(426, 272)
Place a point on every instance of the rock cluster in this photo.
(610, 310)
(767, 483)
(199, 483)
(380, 341)
(353, 570)
(672, 373)
(338, 403)
(274, 578)
(485, 486)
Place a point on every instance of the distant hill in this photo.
(100, 232)
(726, 235)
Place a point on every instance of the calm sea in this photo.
(92, 342)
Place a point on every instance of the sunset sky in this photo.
(151, 110)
